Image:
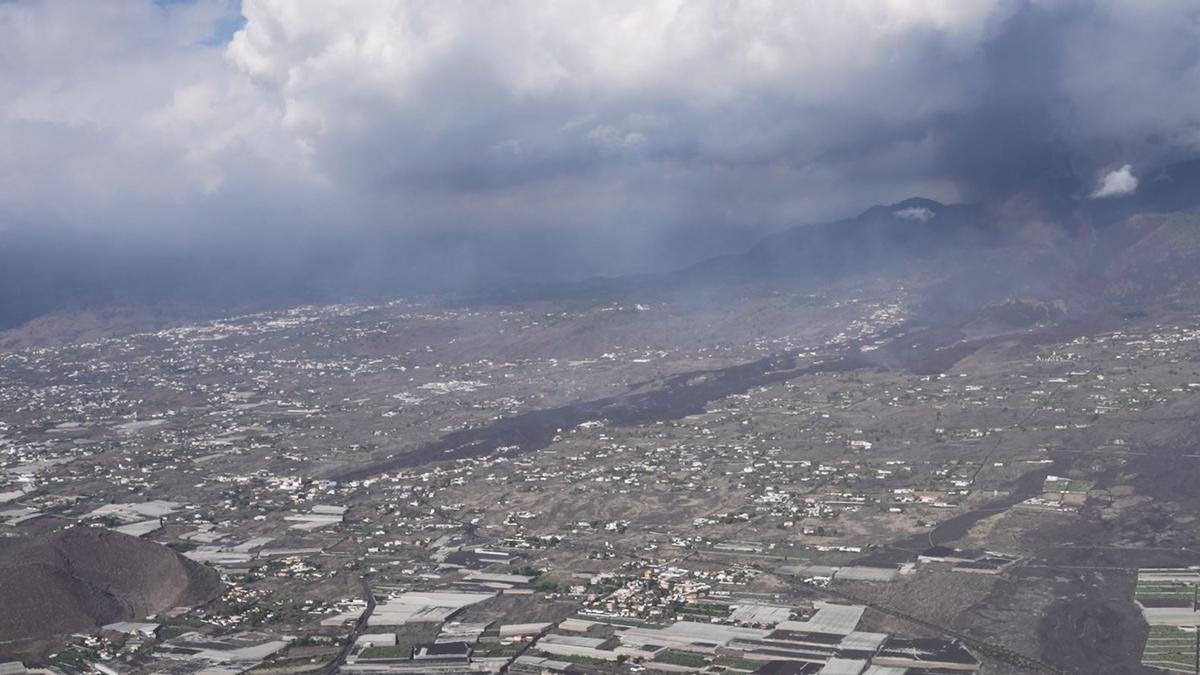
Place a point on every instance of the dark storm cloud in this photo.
(576, 138)
(1070, 88)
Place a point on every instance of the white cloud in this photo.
(403, 112)
(1117, 183)
(122, 114)
(732, 80)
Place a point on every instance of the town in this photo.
(853, 520)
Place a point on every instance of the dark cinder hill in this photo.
(78, 579)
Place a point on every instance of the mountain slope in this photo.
(1162, 266)
(78, 579)
(879, 237)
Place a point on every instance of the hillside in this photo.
(1161, 265)
(75, 580)
(880, 237)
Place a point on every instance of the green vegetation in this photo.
(704, 609)
(314, 641)
(681, 658)
(305, 663)
(70, 660)
(1077, 486)
(737, 663)
(528, 571)
(1170, 648)
(1165, 594)
(622, 621)
(573, 658)
(172, 631)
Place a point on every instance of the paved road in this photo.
(360, 625)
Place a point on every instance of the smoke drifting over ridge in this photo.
(1118, 183)
(340, 145)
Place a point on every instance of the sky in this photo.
(561, 139)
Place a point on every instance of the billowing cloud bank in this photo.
(630, 121)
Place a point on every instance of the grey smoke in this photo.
(918, 213)
(1116, 183)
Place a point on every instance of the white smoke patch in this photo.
(918, 213)
(1118, 183)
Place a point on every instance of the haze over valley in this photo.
(599, 337)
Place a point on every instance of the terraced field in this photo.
(1172, 648)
